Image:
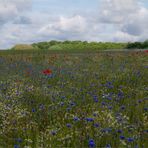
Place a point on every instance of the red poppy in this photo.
(47, 72)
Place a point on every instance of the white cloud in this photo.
(137, 24)
(75, 24)
(10, 9)
(117, 11)
(129, 17)
(124, 37)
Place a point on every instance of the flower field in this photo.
(74, 100)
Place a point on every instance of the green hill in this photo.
(23, 47)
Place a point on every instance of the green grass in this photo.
(106, 92)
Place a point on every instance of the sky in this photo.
(29, 21)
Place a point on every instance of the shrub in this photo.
(55, 47)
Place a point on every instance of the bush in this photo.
(138, 45)
(55, 47)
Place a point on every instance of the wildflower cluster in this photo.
(73, 100)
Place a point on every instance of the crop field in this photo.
(73, 100)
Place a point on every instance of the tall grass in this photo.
(89, 100)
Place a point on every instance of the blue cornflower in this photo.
(146, 109)
(109, 83)
(94, 96)
(146, 131)
(76, 118)
(108, 146)
(110, 86)
(89, 119)
(19, 140)
(110, 107)
(122, 137)
(109, 98)
(96, 100)
(119, 131)
(63, 97)
(103, 103)
(139, 101)
(94, 114)
(72, 103)
(96, 125)
(122, 107)
(16, 146)
(33, 110)
(68, 125)
(120, 94)
(53, 133)
(91, 143)
(62, 103)
(130, 139)
(68, 109)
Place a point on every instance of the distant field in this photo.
(58, 99)
(66, 51)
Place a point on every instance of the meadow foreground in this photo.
(78, 100)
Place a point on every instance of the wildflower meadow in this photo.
(73, 100)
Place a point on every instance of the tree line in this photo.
(78, 45)
(138, 45)
(81, 45)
